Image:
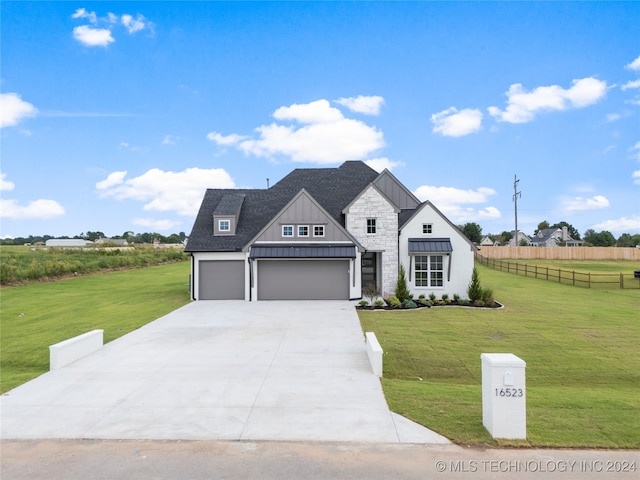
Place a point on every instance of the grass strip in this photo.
(38, 315)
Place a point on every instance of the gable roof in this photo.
(332, 188)
(409, 215)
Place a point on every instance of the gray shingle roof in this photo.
(430, 245)
(303, 251)
(333, 188)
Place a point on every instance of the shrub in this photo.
(422, 298)
(456, 298)
(475, 289)
(432, 297)
(363, 303)
(402, 291)
(445, 297)
(393, 302)
(408, 303)
(371, 291)
(486, 294)
(379, 303)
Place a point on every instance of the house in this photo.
(554, 237)
(487, 242)
(324, 233)
(523, 239)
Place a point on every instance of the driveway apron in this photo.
(220, 370)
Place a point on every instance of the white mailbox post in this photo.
(504, 395)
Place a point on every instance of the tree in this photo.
(402, 291)
(627, 240)
(472, 231)
(474, 291)
(544, 225)
(602, 239)
(573, 232)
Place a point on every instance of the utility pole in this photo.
(516, 194)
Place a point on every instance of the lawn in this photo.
(38, 315)
(580, 346)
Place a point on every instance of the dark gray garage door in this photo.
(303, 280)
(221, 280)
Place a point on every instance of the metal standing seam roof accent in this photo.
(430, 245)
(303, 251)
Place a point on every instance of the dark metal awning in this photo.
(430, 245)
(302, 251)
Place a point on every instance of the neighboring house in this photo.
(324, 233)
(487, 242)
(554, 237)
(522, 238)
(66, 242)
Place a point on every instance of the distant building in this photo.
(554, 237)
(67, 242)
(523, 238)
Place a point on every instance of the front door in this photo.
(369, 269)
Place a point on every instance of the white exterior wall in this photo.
(204, 256)
(461, 258)
(372, 204)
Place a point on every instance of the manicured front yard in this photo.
(582, 352)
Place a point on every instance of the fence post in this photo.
(589, 278)
(574, 277)
(621, 281)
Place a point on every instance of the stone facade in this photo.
(372, 204)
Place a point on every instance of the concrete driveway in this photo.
(220, 370)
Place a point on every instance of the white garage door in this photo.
(303, 279)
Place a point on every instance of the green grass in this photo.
(38, 315)
(581, 348)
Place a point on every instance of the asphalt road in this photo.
(109, 459)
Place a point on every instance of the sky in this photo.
(116, 116)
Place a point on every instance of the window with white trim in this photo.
(303, 230)
(371, 226)
(318, 230)
(427, 228)
(287, 230)
(224, 225)
(429, 270)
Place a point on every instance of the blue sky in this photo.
(116, 116)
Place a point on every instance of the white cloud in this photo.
(580, 204)
(369, 105)
(631, 84)
(325, 136)
(635, 65)
(220, 139)
(13, 109)
(522, 106)
(612, 117)
(6, 185)
(623, 224)
(450, 201)
(100, 31)
(93, 37)
(319, 111)
(636, 177)
(38, 209)
(82, 13)
(179, 192)
(156, 225)
(133, 25)
(115, 178)
(170, 140)
(379, 164)
(454, 123)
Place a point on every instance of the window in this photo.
(429, 270)
(303, 230)
(318, 230)
(371, 225)
(427, 228)
(224, 225)
(287, 230)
